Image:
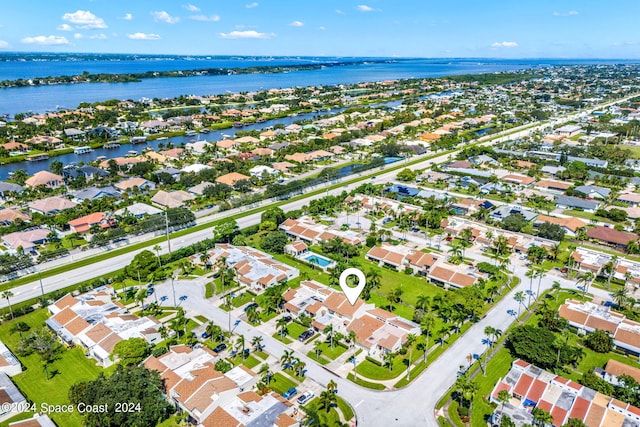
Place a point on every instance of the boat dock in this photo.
(82, 150)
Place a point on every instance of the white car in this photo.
(307, 396)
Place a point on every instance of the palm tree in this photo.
(395, 295)
(555, 286)
(316, 347)
(423, 301)
(6, 295)
(489, 332)
(620, 297)
(427, 323)
(326, 400)
(443, 332)
(388, 360)
(503, 397)
(281, 325)
(585, 278)
(157, 249)
(328, 331)
(266, 373)
(351, 336)
(256, 342)
(519, 296)
(286, 357)
(531, 274)
(253, 315)
(240, 345)
(332, 387)
(422, 346)
(541, 417)
(300, 368)
(411, 339)
(373, 282)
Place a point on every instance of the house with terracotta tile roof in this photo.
(46, 178)
(449, 275)
(531, 387)
(283, 166)
(84, 223)
(51, 205)
(255, 269)
(97, 323)
(570, 225)
(9, 215)
(401, 257)
(611, 236)
(521, 180)
(553, 186)
(28, 239)
(588, 317)
(171, 199)
(231, 179)
(379, 331)
(298, 157)
(310, 232)
(213, 398)
(142, 184)
(613, 370)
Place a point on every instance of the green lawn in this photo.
(243, 299)
(321, 360)
(365, 383)
(306, 270)
(281, 338)
(261, 354)
(331, 353)
(72, 367)
(250, 361)
(372, 371)
(208, 290)
(345, 408)
(326, 419)
(295, 329)
(280, 383)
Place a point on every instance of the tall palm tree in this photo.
(286, 357)
(620, 297)
(585, 278)
(373, 282)
(157, 249)
(266, 373)
(423, 301)
(253, 315)
(411, 339)
(240, 345)
(443, 332)
(503, 396)
(556, 286)
(256, 342)
(281, 325)
(422, 346)
(317, 348)
(351, 336)
(519, 296)
(332, 387)
(388, 358)
(300, 368)
(541, 417)
(428, 320)
(328, 331)
(326, 400)
(6, 295)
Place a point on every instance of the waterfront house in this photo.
(50, 142)
(7, 188)
(94, 193)
(231, 179)
(88, 172)
(46, 178)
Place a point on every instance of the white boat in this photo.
(132, 153)
(82, 150)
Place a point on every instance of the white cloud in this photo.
(45, 40)
(3, 44)
(127, 17)
(364, 8)
(64, 27)
(143, 36)
(79, 36)
(251, 5)
(322, 27)
(191, 8)
(498, 45)
(570, 13)
(212, 18)
(84, 19)
(297, 24)
(339, 12)
(162, 16)
(249, 34)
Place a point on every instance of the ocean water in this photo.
(44, 98)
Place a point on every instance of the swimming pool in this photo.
(318, 260)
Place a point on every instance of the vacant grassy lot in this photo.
(281, 383)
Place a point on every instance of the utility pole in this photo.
(175, 304)
(166, 221)
(41, 285)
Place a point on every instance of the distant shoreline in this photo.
(137, 77)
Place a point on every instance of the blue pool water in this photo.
(388, 160)
(318, 260)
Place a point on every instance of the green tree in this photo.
(143, 265)
(131, 351)
(136, 385)
(326, 400)
(388, 359)
(274, 242)
(574, 422)
(7, 295)
(56, 167)
(45, 345)
(224, 231)
(541, 417)
(599, 341)
(514, 222)
(256, 342)
(373, 282)
(275, 215)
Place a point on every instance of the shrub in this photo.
(159, 351)
(374, 361)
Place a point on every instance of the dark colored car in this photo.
(287, 318)
(290, 393)
(248, 307)
(305, 335)
(220, 347)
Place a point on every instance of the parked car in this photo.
(290, 393)
(248, 307)
(307, 396)
(305, 335)
(150, 291)
(386, 220)
(205, 335)
(220, 348)
(287, 318)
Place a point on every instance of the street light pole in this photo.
(41, 285)
(166, 221)
(175, 304)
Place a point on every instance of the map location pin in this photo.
(352, 293)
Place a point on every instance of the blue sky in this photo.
(414, 28)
